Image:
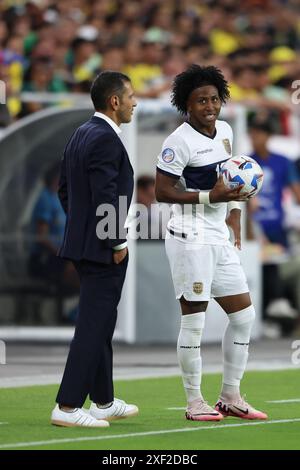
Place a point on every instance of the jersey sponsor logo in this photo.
(198, 287)
(200, 152)
(168, 155)
(227, 146)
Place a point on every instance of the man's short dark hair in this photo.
(264, 126)
(194, 77)
(105, 85)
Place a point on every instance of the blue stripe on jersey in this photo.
(167, 173)
(201, 177)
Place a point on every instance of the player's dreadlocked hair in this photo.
(194, 77)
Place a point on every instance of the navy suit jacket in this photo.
(95, 170)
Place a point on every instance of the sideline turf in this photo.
(27, 410)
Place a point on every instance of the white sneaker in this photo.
(118, 410)
(78, 417)
(271, 330)
(281, 308)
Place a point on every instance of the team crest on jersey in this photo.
(168, 155)
(198, 287)
(227, 145)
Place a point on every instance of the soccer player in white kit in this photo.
(203, 261)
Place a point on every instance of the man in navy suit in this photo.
(96, 170)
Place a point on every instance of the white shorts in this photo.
(201, 272)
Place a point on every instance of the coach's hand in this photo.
(220, 193)
(120, 255)
(234, 222)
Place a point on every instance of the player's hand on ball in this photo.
(221, 193)
(119, 255)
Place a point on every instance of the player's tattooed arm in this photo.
(168, 190)
(234, 222)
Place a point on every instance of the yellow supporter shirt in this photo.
(238, 93)
(141, 74)
(223, 43)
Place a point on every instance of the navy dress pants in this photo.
(89, 365)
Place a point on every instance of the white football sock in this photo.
(188, 353)
(235, 350)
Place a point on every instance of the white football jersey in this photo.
(193, 158)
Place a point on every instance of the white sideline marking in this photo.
(140, 434)
(292, 400)
(136, 373)
(175, 408)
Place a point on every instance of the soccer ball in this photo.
(242, 170)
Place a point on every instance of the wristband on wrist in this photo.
(204, 197)
(233, 205)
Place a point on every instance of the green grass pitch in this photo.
(25, 416)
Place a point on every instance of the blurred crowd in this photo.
(59, 45)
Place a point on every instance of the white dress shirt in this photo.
(117, 131)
